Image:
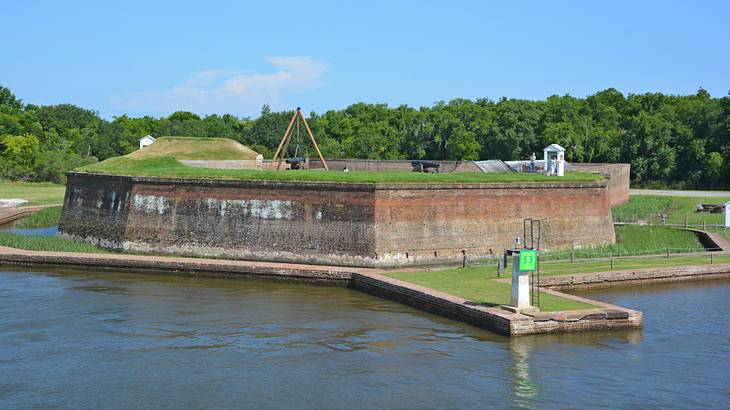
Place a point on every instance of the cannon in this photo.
(425, 166)
(296, 162)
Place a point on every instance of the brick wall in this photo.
(432, 223)
(329, 223)
(619, 177)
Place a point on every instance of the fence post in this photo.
(712, 258)
(498, 267)
(463, 258)
(611, 262)
(668, 251)
(704, 225)
(685, 222)
(572, 255)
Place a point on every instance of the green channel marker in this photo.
(528, 260)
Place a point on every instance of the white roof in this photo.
(147, 137)
(554, 148)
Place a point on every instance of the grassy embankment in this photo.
(37, 193)
(638, 240)
(195, 149)
(161, 159)
(649, 208)
(167, 166)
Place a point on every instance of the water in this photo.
(44, 231)
(88, 340)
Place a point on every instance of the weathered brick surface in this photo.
(438, 222)
(330, 223)
(619, 177)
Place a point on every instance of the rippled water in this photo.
(78, 339)
(44, 231)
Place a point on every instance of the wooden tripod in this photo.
(286, 139)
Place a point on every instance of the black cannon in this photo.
(425, 166)
(296, 162)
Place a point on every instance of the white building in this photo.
(145, 141)
(554, 157)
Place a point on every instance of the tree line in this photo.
(670, 141)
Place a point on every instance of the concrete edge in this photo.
(496, 319)
(193, 267)
(636, 277)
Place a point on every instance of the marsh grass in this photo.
(47, 243)
(42, 219)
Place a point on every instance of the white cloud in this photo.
(230, 91)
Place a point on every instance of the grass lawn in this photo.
(47, 243)
(44, 218)
(477, 284)
(37, 193)
(167, 166)
(641, 207)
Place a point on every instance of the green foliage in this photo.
(169, 167)
(42, 219)
(677, 141)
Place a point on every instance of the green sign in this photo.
(528, 259)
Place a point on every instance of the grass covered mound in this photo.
(676, 208)
(168, 166)
(195, 148)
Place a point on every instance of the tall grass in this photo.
(47, 243)
(42, 219)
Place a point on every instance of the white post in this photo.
(545, 159)
(520, 285)
(727, 214)
(561, 164)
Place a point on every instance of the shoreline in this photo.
(373, 282)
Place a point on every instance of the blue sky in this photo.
(216, 57)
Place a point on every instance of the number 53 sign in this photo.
(528, 259)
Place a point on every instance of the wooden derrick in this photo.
(286, 139)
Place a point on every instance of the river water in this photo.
(89, 340)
